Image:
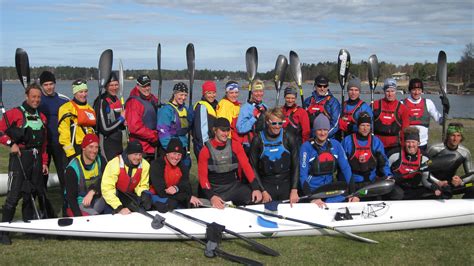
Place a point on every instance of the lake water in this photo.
(13, 94)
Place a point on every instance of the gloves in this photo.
(445, 103)
(145, 200)
(256, 113)
(343, 125)
(16, 134)
(155, 143)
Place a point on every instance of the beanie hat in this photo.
(364, 117)
(134, 146)
(47, 76)
(321, 122)
(411, 133)
(232, 85)
(175, 145)
(321, 80)
(415, 84)
(79, 85)
(257, 85)
(180, 87)
(143, 80)
(222, 123)
(113, 77)
(89, 139)
(389, 83)
(290, 90)
(353, 82)
(208, 86)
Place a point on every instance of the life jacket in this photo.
(315, 108)
(222, 164)
(387, 122)
(405, 167)
(85, 117)
(418, 113)
(347, 117)
(34, 128)
(325, 163)
(149, 117)
(210, 110)
(362, 159)
(85, 178)
(275, 159)
(292, 127)
(172, 174)
(181, 120)
(115, 108)
(125, 183)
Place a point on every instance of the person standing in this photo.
(296, 118)
(229, 107)
(204, 116)
(141, 116)
(76, 119)
(25, 134)
(110, 119)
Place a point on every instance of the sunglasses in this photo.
(322, 86)
(79, 82)
(276, 123)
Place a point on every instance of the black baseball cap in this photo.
(321, 80)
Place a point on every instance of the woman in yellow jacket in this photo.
(229, 107)
(126, 180)
(76, 118)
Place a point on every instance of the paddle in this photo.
(251, 61)
(22, 65)
(342, 232)
(343, 64)
(442, 74)
(373, 69)
(295, 67)
(105, 68)
(325, 191)
(280, 70)
(375, 189)
(160, 78)
(190, 60)
(259, 247)
(121, 94)
(438, 163)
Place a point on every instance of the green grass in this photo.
(441, 246)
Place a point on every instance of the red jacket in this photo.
(15, 117)
(299, 117)
(134, 117)
(391, 141)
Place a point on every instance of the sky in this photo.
(74, 33)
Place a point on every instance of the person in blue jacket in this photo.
(175, 120)
(352, 108)
(322, 101)
(366, 155)
(320, 158)
(251, 118)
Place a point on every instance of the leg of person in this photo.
(113, 146)
(60, 162)
(397, 193)
(278, 191)
(239, 194)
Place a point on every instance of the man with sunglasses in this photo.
(76, 119)
(219, 160)
(275, 160)
(322, 101)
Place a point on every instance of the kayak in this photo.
(357, 218)
(53, 181)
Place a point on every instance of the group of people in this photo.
(114, 158)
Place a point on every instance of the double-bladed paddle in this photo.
(280, 71)
(295, 67)
(251, 62)
(442, 74)
(343, 64)
(373, 73)
(105, 68)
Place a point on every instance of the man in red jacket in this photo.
(141, 108)
(219, 160)
(390, 118)
(296, 118)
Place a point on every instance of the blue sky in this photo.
(76, 32)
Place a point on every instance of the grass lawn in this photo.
(441, 246)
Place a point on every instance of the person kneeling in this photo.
(169, 180)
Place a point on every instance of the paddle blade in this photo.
(105, 67)
(251, 61)
(121, 81)
(442, 72)
(373, 69)
(280, 71)
(22, 65)
(295, 67)
(378, 188)
(190, 61)
(158, 61)
(343, 64)
(238, 259)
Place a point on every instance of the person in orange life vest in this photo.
(229, 107)
(111, 119)
(366, 155)
(420, 110)
(82, 180)
(323, 101)
(352, 108)
(204, 116)
(274, 156)
(25, 134)
(169, 179)
(296, 118)
(126, 180)
(217, 170)
(76, 119)
(410, 184)
(141, 114)
(320, 158)
(251, 119)
(390, 118)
